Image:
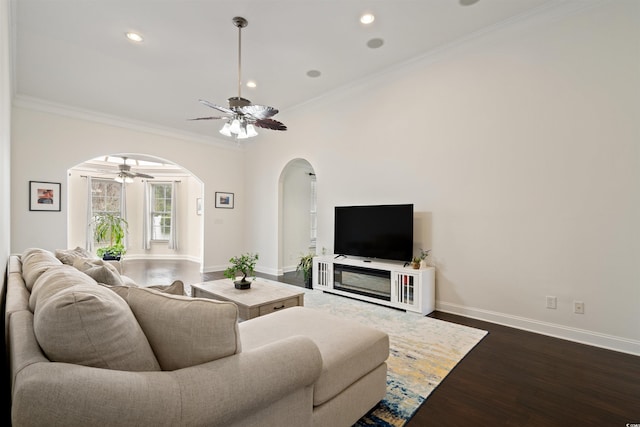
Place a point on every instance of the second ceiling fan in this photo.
(125, 173)
(242, 117)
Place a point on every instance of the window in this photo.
(160, 211)
(105, 197)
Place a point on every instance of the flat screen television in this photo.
(376, 231)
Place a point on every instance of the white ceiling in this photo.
(74, 52)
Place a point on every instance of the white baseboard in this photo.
(161, 257)
(582, 336)
(214, 268)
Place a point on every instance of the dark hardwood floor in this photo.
(511, 378)
(518, 378)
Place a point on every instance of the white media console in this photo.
(381, 282)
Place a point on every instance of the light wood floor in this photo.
(511, 378)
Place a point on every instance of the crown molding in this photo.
(551, 11)
(37, 104)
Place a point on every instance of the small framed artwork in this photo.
(224, 200)
(44, 196)
(199, 206)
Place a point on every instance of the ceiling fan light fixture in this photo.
(225, 129)
(242, 134)
(123, 179)
(251, 131)
(235, 126)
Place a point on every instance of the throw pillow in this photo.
(92, 326)
(34, 263)
(185, 331)
(55, 279)
(176, 288)
(123, 291)
(99, 270)
(30, 251)
(128, 281)
(68, 256)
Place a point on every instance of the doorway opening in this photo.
(297, 214)
(150, 217)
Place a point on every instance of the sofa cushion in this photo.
(128, 281)
(36, 262)
(68, 256)
(185, 331)
(92, 326)
(30, 251)
(55, 279)
(176, 288)
(350, 350)
(99, 270)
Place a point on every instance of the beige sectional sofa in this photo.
(86, 346)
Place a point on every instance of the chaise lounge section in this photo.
(84, 353)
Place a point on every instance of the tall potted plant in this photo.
(245, 264)
(110, 228)
(306, 266)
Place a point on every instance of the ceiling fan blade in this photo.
(143, 175)
(259, 111)
(209, 118)
(216, 107)
(270, 124)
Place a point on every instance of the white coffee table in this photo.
(262, 298)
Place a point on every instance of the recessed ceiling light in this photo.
(367, 18)
(375, 43)
(134, 37)
(313, 73)
(251, 84)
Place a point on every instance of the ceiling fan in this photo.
(242, 116)
(127, 175)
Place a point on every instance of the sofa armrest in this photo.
(214, 393)
(236, 386)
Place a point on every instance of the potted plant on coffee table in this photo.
(245, 264)
(306, 266)
(110, 228)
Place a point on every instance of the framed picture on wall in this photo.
(44, 196)
(224, 200)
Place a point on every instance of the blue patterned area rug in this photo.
(422, 352)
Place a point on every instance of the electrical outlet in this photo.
(552, 302)
(578, 307)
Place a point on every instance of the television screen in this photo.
(380, 231)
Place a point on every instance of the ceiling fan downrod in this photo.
(240, 22)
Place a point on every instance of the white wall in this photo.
(5, 132)
(519, 150)
(46, 145)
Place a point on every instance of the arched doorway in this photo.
(297, 216)
(146, 169)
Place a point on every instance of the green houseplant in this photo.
(245, 264)
(305, 265)
(417, 260)
(110, 229)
